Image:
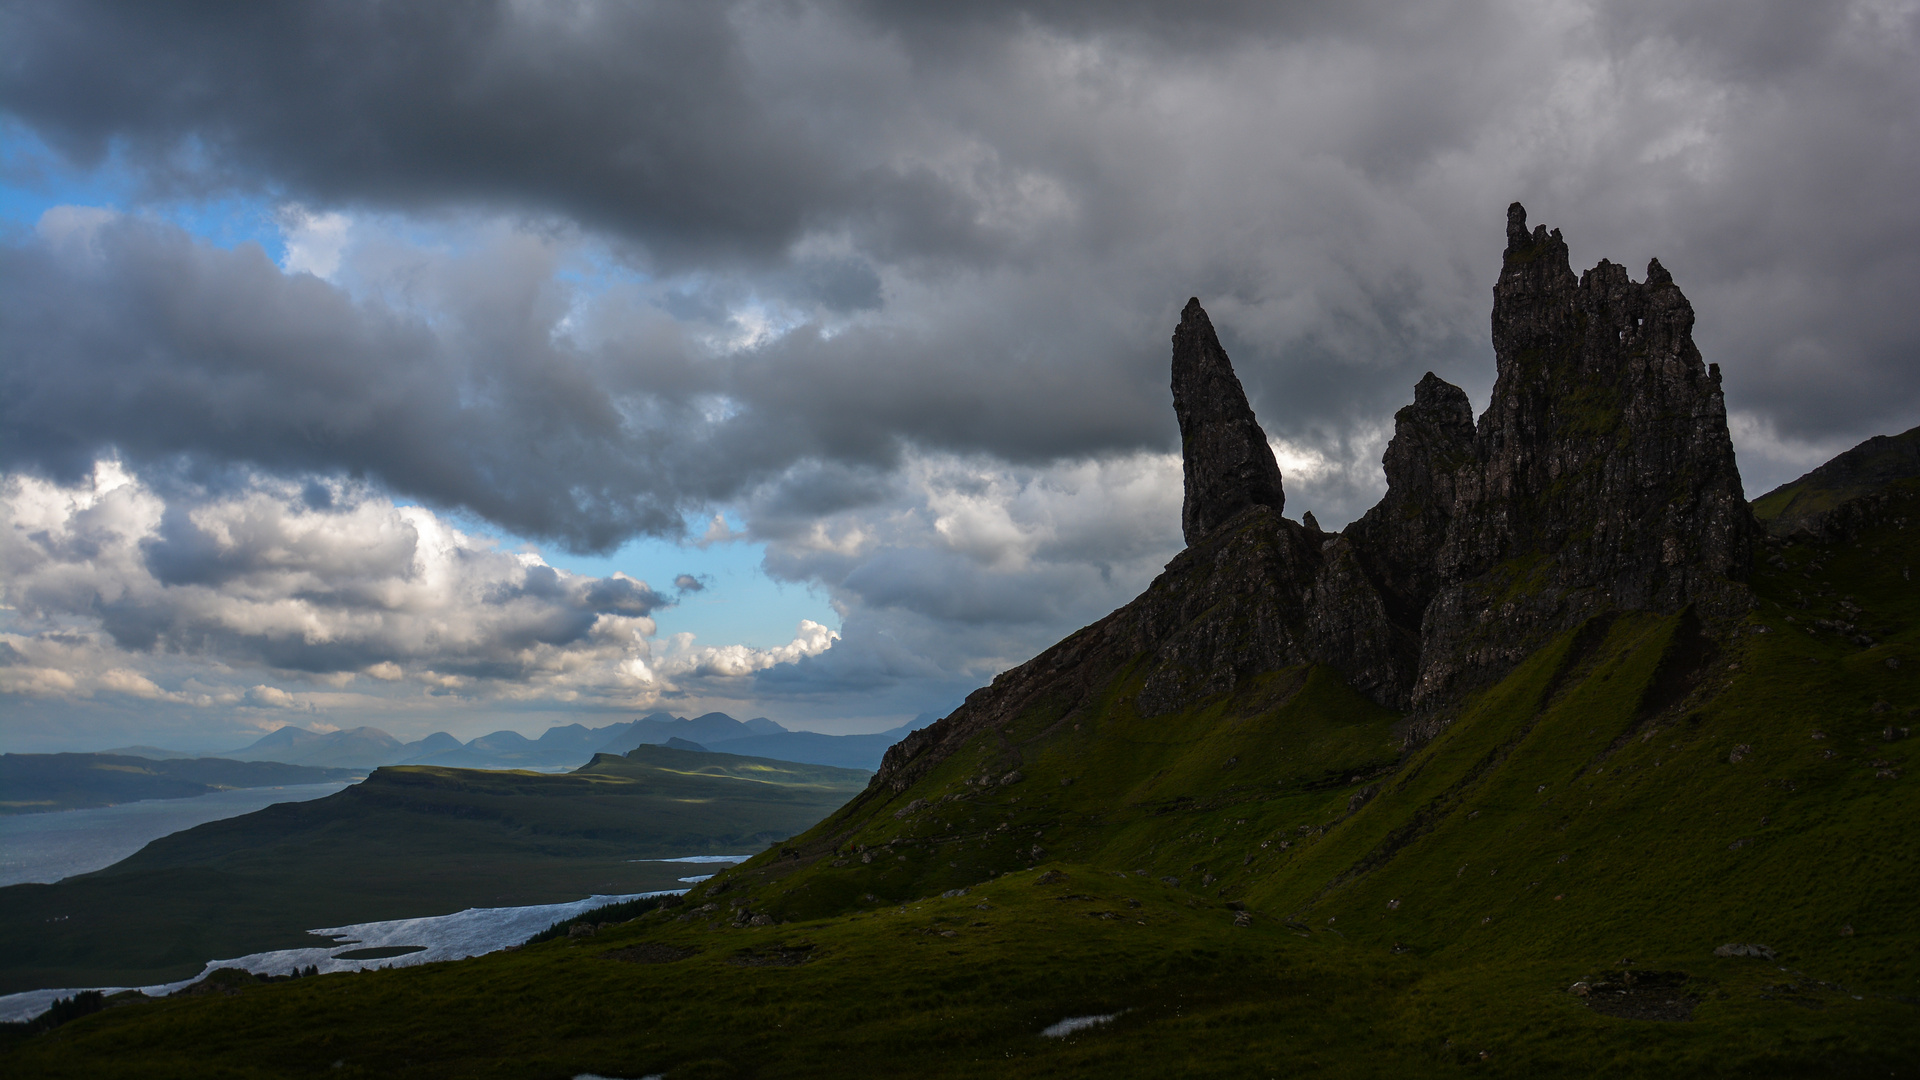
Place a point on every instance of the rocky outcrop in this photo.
(1601, 477)
(1256, 594)
(1398, 542)
(1605, 474)
(1228, 466)
(1433, 442)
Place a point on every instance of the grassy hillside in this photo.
(1866, 469)
(39, 783)
(1264, 885)
(409, 841)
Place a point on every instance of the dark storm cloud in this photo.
(139, 339)
(889, 258)
(682, 130)
(131, 336)
(706, 134)
(635, 117)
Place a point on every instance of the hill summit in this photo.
(1601, 477)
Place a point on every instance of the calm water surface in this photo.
(48, 847)
(473, 932)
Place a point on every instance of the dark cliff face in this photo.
(1606, 439)
(1401, 537)
(1228, 465)
(1606, 476)
(1601, 477)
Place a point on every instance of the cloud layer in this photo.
(189, 598)
(890, 284)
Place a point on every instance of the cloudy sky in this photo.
(481, 365)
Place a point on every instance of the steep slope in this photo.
(1599, 682)
(1845, 493)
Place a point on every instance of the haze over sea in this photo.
(48, 847)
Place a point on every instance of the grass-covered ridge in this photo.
(43, 783)
(407, 842)
(1263, 884)
(1871, 467)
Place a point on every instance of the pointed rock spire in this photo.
(1228, 464)
(1433, 440)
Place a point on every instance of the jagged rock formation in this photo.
(1601, 477)
(1433, 441)
(1398, 541)
(1606, 476)
(1228, 464)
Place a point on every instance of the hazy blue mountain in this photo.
(437, 743)
(357, 748)
(814, 748)
(151, 753)
(567, 746)
(709, 729)
(572, 745)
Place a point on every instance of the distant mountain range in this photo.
(560, 747)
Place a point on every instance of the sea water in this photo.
(48, 847)
(473, 932)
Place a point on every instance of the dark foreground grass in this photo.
(962, 987)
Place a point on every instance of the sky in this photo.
(498, 365)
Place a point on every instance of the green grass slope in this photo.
(1265, 885)
(409, 841)
(1861, 471)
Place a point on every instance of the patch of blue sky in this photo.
(738, 605)
(35, 179)
(593, 268)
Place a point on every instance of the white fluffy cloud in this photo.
(315, 241)
(116, 587)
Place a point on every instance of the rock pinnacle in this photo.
(1227, 463)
